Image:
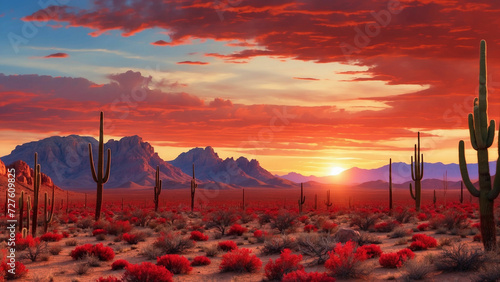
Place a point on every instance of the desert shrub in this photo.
(400, 232)
(212, 250)
(286, 263)
(284, 222)
(55, 249)
(459, 258)
(51, 237)
(276, 244)
(343, 261)
(328, 226)
(200, 260)
(108, 279)
(173, 243)
(364, 221)
(99, 250)
(394, 260)
(82, 268)
(237, 230)
(134, 238)
(36, 249)
(386, 226)
(92, 260)
(71, 242)
(403, 216)
(175, 264)
(198, 236)
(423, 226)
(265, 218)
(240, 260)
(422, 242)
(99, 232)
(316, 246)
(310, 228)
(118, 227)
(23, 243)
(227, 246)
(119, 264)
(452, 219)
(302, 276)
(367, 238)
(146, 272)
(422, 216)
(85, 223)
(220, 220)
(151, 252)
(370, 251)
(417, 270)
(21, 270)
(488, 274)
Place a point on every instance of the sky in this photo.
(304, 86)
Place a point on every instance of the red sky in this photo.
(299, 85)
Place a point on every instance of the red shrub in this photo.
(237, 230)
(65, 234)
(303, 218)
(175, 263)
(20, 270)
(302, 276)
(418, 246)
(422, 216)
(131, 238)
(343, 258)
(99, 232)
(227, 246)
(51, 237)
(370, 251)
(386, 226)
(118, 227)
(390, 260)
(146, 272)
(198, 236)
(310, 227)
(240, 260)
(476, 225)
(23, 243)
(200, 260)
(108, 279)
(406, 254)
(427, 241)
(328, 226)
(259, 233)
(99, 250)
(423, 226)
(119, 264)
(286, 263)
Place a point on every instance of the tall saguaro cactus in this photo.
(37, 179)
(417, 173)
(481, 138)
(157, 189)
(461, 192)
(328, 203)
(194, 185)
(302, 198)
(21, 211)
(390, 184)
(47, 215)
(100, 178)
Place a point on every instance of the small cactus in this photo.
(157, 189)
(47, 219)
(21, 211)
(194, 185)
(328, 203)
(302, 198)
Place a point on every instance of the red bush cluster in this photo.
(310, 227)
(200, 260)
(422, 216)
(147, 271)
(343, 257)
(368, 251)
(393, 260)
(423, 226)
(286, 263)
(108, 279)
(99, 250)
(422, 242)
(227, 246)
(99, 232)
(198, 236)
(131, 238)
(237, 230)
(21, 270)
(302, 276)
(240, 260)
(328, 226)
(51, 237)
(175, 263)
(119, 264)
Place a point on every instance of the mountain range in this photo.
(133, 164)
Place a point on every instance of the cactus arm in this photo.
(472, 133)
(463, 170)
(411, 193)
(108, 166)
(495, 191)
(491, 133)
(94, 176)
(411, 167)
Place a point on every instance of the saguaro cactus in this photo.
(302, 198)
(328, 204)
(417, 173)
(21, 211)
(100, 178)
(47, 215)
(461, 192)
(28, 213)
(434, 199)
(194, 185)
(37, 178)
(481, 138)
(157, 189)
(390, 184)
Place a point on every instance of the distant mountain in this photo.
(241, 172)
(66, 159)
(401, 173)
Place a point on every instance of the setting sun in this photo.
(336, 170)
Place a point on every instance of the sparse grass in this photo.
(276, 244)
(71, 242)
(82, 268)
(400, 232)
(417, 270)
(488, 274)
(316, 246)
(460, 258)
(212, 250)
(55, 249)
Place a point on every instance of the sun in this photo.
(336, 170)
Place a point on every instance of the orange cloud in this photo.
(192, 63)
(56, 55)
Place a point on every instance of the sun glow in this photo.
(336, 170)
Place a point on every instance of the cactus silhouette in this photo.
(434, 199)
(481, 138)
(194, 185)
(417, 173)
(302, 198)
(243, 200)
(157, 189)
(37, 178)
(21, 211)
(47, 215)
(327, 201)
(390, 184)
(461, 192)
(28, 213)
(100, 178)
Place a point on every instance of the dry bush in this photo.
(284, 222)
(316, 246)
(460, 258)
(276, 244)
(417, 270)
